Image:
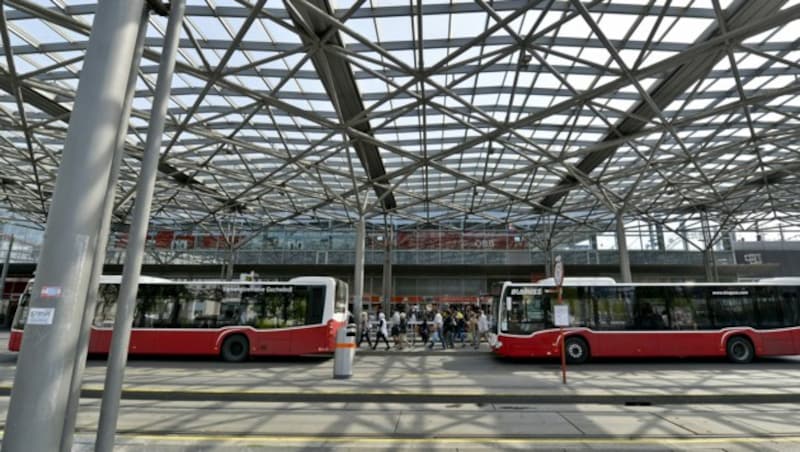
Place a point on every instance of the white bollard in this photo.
(345, 352)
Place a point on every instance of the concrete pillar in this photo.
(622, 248)
(126, 300)
(37, 410)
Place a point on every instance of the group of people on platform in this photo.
(445, 327)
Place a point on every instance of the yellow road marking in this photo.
(261, 439)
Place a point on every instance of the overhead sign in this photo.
(558, 271)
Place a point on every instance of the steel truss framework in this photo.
(507, 113)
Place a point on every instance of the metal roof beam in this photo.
(337, 77)
(738, 15)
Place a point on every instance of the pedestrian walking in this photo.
(364, 327)
(382, 332)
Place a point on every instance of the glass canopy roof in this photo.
(501, 112)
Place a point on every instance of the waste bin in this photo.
(345, 352)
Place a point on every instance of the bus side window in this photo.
(316, 305)
(614, 307)
(106, 309)
(768, 307)
(681, 309)
(791, 310)
(731, 308)
(579, 307)
(650, 309)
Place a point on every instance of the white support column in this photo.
(102, 241)
(126, 299)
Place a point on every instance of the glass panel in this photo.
(288, 306)
(651, 309)
(205, 304)
(791, 306)
(149, 307)
(768, 307)
(106, 309)
(526, 310)
(581, 310)
(682, 309)
(731, 306)
(316, 305)
(613, 307)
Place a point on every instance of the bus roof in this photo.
(603, 281)
(578, 281)
(117, 279)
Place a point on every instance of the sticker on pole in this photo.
(41, 316)
(50, 292)
(561, 317)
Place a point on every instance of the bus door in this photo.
(790, 302)
(650, 316)
(613, 320)
(773, 315)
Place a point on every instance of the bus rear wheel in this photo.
(576, 349)
(235, 349)
(740, 350)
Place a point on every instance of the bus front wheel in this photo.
(740, 350)
(577, 350)
(235, 348)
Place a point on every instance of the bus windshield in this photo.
(524, 310)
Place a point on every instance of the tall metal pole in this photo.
(126, 300)
(622, 247)
(231, 252)
(358, 272)
(662, 245)
(35, 418)
(387, 269)
(4, 275)
(102, 241)
(709, 259)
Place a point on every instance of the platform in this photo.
(457, 399)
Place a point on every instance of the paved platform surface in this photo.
(456, 399)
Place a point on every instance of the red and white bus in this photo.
(233, 320)
(737, 320)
